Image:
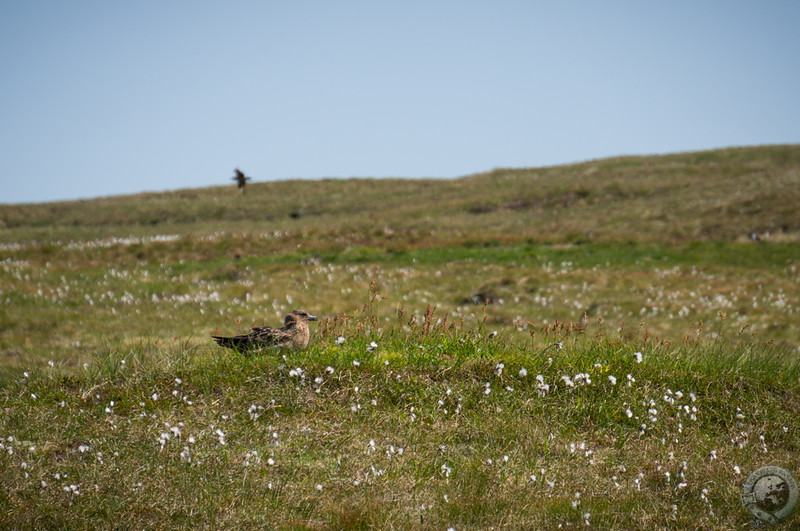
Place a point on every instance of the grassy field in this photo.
(591, 346)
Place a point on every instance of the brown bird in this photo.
(293, 334)
(240, 178)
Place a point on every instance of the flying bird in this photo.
(240, 178)
(294, 334)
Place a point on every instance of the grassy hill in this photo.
(707, 196)
(597, 345)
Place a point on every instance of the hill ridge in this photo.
(722, 194)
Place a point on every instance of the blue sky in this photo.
(110, 97)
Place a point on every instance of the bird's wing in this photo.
(268, 335)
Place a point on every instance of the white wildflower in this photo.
(582, 378)
(541, 387)
(254, 411)
(251, 457)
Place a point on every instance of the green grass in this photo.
(108, 380)
(416, 432)
(712, 196)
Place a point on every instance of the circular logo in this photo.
(770, 494)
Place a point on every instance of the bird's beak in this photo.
(312, 317)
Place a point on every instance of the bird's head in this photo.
(299, 316)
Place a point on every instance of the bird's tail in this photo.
(235, 342)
